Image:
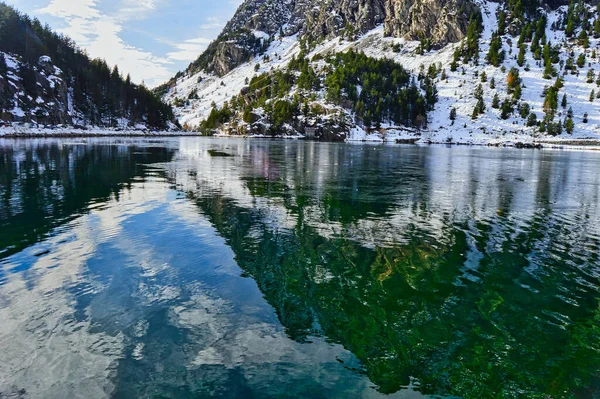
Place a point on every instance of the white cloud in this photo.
(137, 9)
(100, 30)
(70, 9)
(99, 34)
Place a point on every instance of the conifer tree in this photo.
(506, 109)
(569, 125)
(495, 54)
(584, 39)
(522, 53)
(496, 101)
(471, 47)
(453, 115)
(524, 110)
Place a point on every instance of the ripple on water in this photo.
(298, 269)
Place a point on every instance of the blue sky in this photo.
(150, 39)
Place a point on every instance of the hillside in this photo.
(46, 81)
(506, 72)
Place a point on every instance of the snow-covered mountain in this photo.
(39, 97)
(503, 72)
(47, 82)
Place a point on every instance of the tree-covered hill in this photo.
(326, 96)
(46, 79)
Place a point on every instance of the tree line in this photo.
(100, 93)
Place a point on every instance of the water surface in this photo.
(200, 268)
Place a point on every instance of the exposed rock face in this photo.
(441, 21)
(346, 16)
(44, 100)
(256, 22)
(227, 56)
(315, 18)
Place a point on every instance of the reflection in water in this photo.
(291, 269)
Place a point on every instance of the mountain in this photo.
(46, 80)
(465, 71)
(257, 23)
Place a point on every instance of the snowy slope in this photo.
(45, 105)
(455, 92)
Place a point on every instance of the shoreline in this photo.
(592, 144)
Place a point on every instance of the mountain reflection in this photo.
(297, 269)
(473, 270)
(44, 184)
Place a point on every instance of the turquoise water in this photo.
(197, 268)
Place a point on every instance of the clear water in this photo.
(166, 269)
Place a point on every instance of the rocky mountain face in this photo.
(34, 93)
(257, 22)
(441, 21)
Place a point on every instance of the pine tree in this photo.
(524, 110)
(496, 101)
(551, 101)
(479, 92)
(501, 22)
(454, 64)
(480, 106)
(569, 125)
(471, 48)
(517, 92)
(549, 71)
(563, 103)
(584, 39)
(506, 109)
(453, 115)
(495, 54)
(521, 56)
(570, 29)
(592, 95)
(590, 76)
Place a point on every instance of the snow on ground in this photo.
(456, 92)
(33, 130)
(214, 90)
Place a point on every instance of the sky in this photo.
(150, 39)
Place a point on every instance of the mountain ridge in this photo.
(315, 20)
(495, 85)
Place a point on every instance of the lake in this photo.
(201, 268)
